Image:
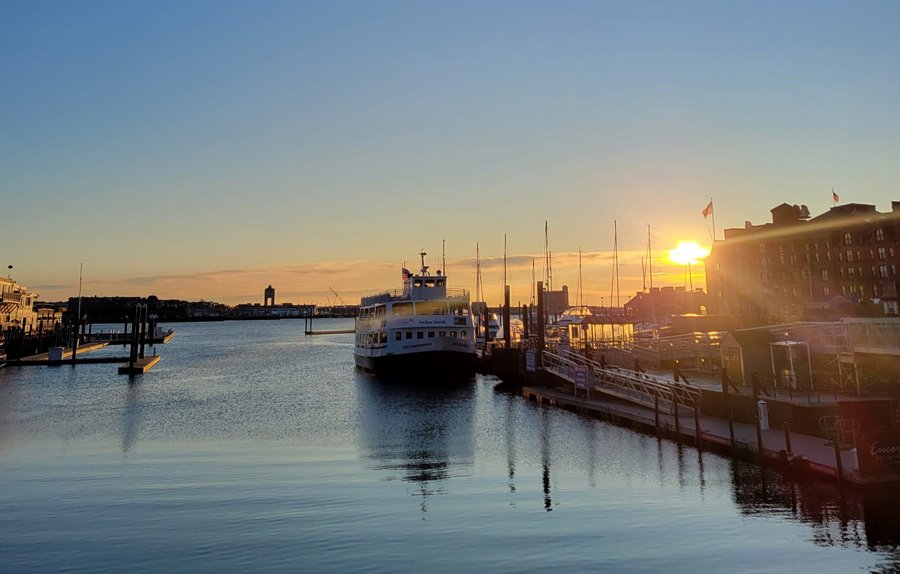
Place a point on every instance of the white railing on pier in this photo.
(629, 385)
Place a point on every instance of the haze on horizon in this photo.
(205, 149)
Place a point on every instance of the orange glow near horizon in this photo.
(688, 252)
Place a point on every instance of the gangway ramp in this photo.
(632, 386)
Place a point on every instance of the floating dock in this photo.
(140, 366)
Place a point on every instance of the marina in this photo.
(203, 460)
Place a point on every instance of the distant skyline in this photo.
(203, 150)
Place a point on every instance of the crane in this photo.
(338, 297)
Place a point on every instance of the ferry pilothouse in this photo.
(426, 327)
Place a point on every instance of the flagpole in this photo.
(714, 220)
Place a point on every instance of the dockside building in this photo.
(840, 263)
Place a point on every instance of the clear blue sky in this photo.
(205, 149)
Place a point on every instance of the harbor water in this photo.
(252, 448)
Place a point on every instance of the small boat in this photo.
(426, 328)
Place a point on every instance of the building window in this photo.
(879, 234)
(848, 239)
(849, 256)
(851, 272)
(881, 253)
(826, 290)
(882, 271)
(824, 274)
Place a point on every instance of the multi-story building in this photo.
(845, 259)
(16, 306)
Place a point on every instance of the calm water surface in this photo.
(253, 448)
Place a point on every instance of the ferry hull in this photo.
(439, 364)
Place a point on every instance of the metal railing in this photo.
(629, 385)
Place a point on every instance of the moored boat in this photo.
(426, 328)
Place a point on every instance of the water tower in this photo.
(269, 296)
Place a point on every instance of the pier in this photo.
(806, 435)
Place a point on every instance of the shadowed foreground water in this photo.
(253, 448)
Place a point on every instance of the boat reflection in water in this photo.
(416, 432)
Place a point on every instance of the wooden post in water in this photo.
(787, 438)
(540, 319)
(759, 438)
(125, 333)
(525, 325)
(656, 410)
(677, 419)
(507, 336)
(143, 336)
(696, 426)
(837, 457)
(75, 337)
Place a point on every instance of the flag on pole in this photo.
(835, 196)
(707, 211)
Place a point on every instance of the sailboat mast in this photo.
(477, 272)
(580, 285)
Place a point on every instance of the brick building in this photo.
(842, 262)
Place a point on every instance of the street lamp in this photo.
(9, 273)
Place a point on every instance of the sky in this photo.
(207, 149)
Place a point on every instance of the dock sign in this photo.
(878, 452)
(581, 374)
(530, 360)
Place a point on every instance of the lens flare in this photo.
(688, 252)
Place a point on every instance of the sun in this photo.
(688, 252)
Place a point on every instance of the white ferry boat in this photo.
(426, 328)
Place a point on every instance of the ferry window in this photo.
(453, 334)
(431, 334)
(444, 333)
(380, 311)
(402, 309)
(440, 282)
(431, 308)
(462, 334)
(417, 283)
(398, 335)
(409, 334)
(382, 338)
(420, 334)
(429, 283)
(459, 309)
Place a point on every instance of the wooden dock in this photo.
(140, 366)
